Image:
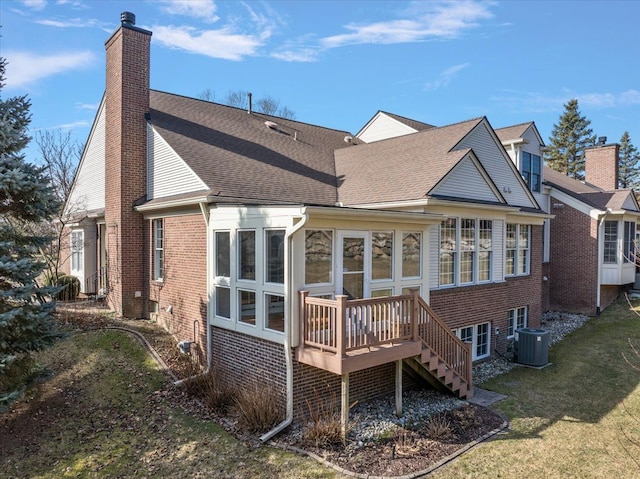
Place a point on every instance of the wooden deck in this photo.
(343, 336)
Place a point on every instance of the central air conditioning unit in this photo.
(531, 346)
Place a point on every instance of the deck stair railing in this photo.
(342, 326)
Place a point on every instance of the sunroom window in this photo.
(610, 242)
(517, 250)
(318, 257)
(465, 251)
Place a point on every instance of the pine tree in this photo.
(628, 172)
(569, 137)
(26, 317)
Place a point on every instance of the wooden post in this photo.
(414, 315)
(303, 317)
(344, 408)
(341, 326)
(469, 346)
(399, 387)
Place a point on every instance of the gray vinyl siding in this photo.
(629, 204)
(167, 173)
(466, 181)
(495, 162)
(88, 191)
(383, 127)
(533, 146)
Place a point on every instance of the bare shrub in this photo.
(258, 406)
(439, 428)
(324, 427)
(212, 388)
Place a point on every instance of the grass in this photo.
(575, 418)
(104, 413)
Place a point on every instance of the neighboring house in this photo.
(589, 245)
(326, 265)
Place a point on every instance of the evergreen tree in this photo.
(628, 172)
(26, 317)
(569, 137)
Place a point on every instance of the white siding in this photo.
(434, 257)
(493, 159)
(629, 204)
(167, 173)
(466, 181)
(87, 193)
(533, 146)
(383, 127)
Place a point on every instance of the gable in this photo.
(381, 127)
(630, 204)
(88, 191)
(498, 165)
(467, 180)
(167, 173)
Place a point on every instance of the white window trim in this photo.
(474, 341)
(158, 269)
(514, 318)
(517, 250)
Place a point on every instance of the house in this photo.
(329, 265)
(589, 245)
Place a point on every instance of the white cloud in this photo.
(221, 43)
(445, 77)
(25, 68)
(422, 21)
(87, 106)
(35, 4)
(71, 23)
(202, 9)
(296, 55)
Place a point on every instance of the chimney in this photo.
(126, 104)
(601, 165)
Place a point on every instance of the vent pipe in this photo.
(250, 104)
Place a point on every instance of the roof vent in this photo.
(272, 125)
(128, 18)
(348, 139)
(602, 140)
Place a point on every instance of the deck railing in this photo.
(96, 283)
(342, 325)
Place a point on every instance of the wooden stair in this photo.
(430, 367)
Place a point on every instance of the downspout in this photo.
(287, 336)
(204, 210)
(600, 256)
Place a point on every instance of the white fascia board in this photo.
(393, 216)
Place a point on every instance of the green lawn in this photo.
(103, 413)
(579, 417)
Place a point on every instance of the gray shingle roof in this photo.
(512, 132)
(401, 168)
(415, 124)
(237, 156)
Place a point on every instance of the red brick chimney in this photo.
(601, 165)
(126, 104)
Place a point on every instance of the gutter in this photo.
(287, 336)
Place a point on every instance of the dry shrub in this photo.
(405, 443)
(465, 418)
(439, 428)
(212, 389)
(324, 427)
(258, 406)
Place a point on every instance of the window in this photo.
(158, 249)
(610, 241)
(517, 250)
(411, 255)
(247, 251)
(77, 250)
(465, 251)
(274, 241)
(629, 246)
(479, 337)
(318, 263)
(247, 306)
(274, 313)
(223, 302)
(516, 319)
(223, 258)
(381, 255)
(531, 166)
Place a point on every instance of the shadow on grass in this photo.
(587, 380)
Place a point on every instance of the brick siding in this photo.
(601, 166)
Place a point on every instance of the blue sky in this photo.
(336, 63)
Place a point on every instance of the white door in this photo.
(353, 264)
(77, 256)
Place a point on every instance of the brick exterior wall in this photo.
(126, 103)
(184, 285)
(469, 305)
(574, 259)
(601, 166)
